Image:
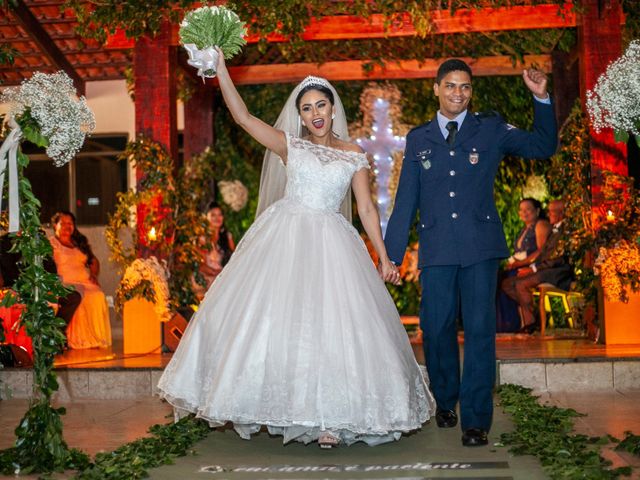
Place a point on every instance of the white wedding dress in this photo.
(298, 332)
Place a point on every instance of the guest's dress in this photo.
(214, 259)
(507, 315)
(89, 327)
(299, 333)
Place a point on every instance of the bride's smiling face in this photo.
(316, 111)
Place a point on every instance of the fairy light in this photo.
(381, 147)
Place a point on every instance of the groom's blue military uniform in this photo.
(461, 243)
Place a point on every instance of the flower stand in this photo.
(141, 327)
(622, 321)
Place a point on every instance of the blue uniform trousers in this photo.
(471, 290)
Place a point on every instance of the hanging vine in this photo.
(46, 112)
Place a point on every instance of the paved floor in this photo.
(607, 412)
(102, 425)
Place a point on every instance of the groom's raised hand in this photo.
(536, 81)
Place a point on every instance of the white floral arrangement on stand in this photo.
(234, 194)
(207, 27)
(614, 102)
(45, 110)
(148, 270)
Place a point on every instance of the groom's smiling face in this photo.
(454, 93)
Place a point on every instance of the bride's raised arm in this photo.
(264, 133)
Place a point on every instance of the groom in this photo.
(448, 175)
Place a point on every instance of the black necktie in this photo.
(452, 127)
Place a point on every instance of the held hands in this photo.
(389, 272)
(536, 81)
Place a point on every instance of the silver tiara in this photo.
(311, 80)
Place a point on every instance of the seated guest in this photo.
(526, 248)
(9, 272)
(78, 267)
(532, 237)
(550, 266)
(216, 249)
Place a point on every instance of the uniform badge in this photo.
(426, 163)
(474, 158)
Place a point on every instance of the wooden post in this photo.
(599, 43)
(564, 67)
(198, 121)
(155, 65)
(155, 84)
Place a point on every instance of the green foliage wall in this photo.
(238, 156)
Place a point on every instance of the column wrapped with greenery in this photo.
(46, 112)
(171, 206)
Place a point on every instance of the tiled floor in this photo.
(611, 412)
(103, 425)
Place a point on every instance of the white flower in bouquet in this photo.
(149, 269)
(535, 187)
(234, 194)
(615, 100)
(203, 29)
(63, 119)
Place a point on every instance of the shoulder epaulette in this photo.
(487, 114)
(420, 126)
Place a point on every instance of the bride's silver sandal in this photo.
(328, 440)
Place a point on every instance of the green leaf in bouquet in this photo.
(213, 26)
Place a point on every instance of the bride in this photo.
(298, 333)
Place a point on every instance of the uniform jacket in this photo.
(452, 187)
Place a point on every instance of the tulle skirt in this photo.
(299, 334)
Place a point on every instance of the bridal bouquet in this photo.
(207, 27)
(615, 100)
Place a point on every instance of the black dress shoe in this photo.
(474, 437)
(446, 418)
(529, 329)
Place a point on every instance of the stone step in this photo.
(547, 375)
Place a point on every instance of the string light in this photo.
(381, 147)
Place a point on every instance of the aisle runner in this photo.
(432, 453)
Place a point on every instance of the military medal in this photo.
(426, 164)
(474, 158)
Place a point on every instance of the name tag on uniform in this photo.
(474, 158)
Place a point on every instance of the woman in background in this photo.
(526, 248)
(78, 267)
(217, 249)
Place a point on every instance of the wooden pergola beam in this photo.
(352, 27)
(342, 27)
(356, 69)
(30, 24)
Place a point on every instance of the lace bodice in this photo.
(319, 176)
